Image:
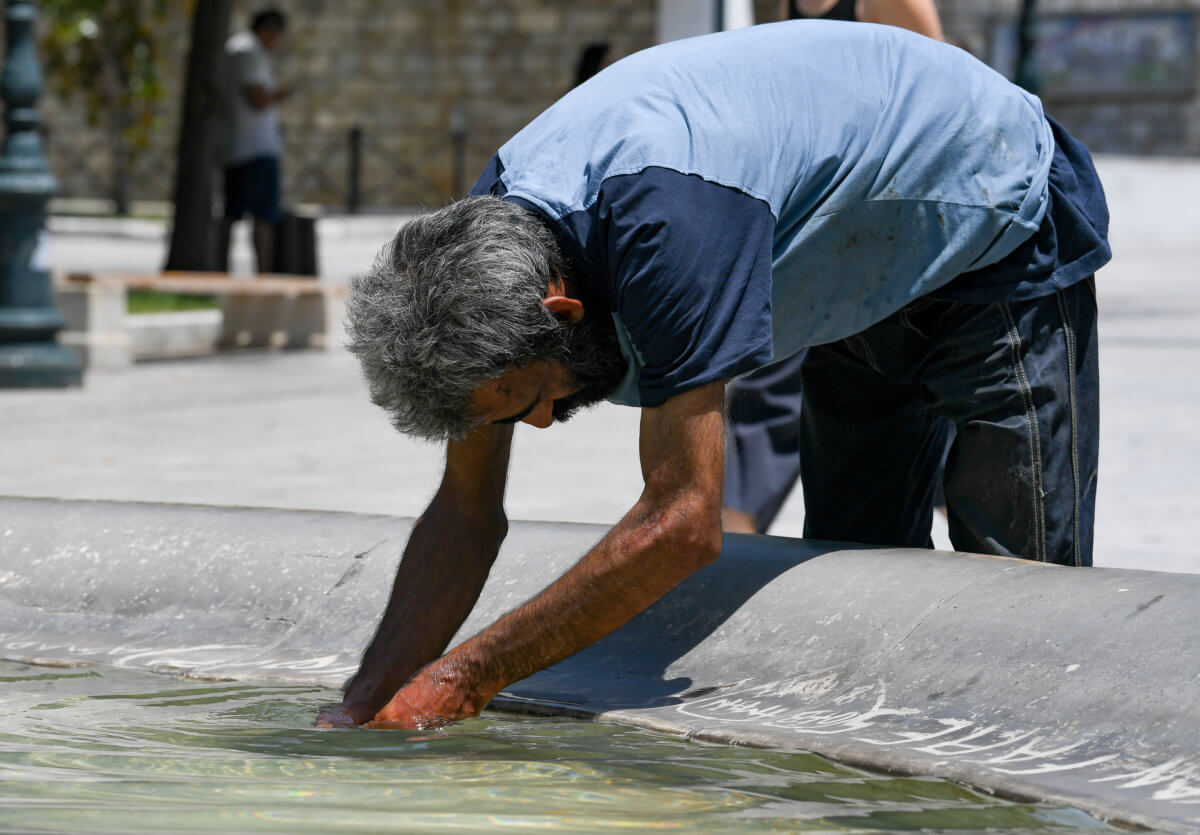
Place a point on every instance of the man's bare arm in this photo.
(673, 530)
(445, 564)
(261, 98)
(919, 16)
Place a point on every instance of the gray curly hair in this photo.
(451, 302)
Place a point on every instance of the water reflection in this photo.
(103, 750)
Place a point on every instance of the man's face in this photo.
(269, 37)
(587, 369)
(524, 394)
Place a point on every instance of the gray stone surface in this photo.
(1041, 681)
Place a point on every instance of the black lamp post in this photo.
(29, 354)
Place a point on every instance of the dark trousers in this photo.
(762, 458)
(1017, 381)
(1020, 383)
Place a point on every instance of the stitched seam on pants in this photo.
(867, 355)
(1035, 443)
(1069, 334)
(907, 322)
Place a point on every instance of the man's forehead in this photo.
(507, 384)
(496, 396)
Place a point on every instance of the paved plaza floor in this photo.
(296, 430)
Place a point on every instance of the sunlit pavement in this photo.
(296, 430)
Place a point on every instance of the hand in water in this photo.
(344, 715)
(439, 694)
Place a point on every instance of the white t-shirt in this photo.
(251, 132)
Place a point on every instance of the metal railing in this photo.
(352, 170)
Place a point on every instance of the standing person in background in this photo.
(763, 456)
(918, 15)
(595, 57)
(253, 143)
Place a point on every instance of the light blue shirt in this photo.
(869, 165)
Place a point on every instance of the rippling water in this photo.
(105, 750)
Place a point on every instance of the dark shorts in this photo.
(252, 187)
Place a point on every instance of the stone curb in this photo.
(1080, 686)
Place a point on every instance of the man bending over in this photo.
(699, 210)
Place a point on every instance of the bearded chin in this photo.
(593, 358)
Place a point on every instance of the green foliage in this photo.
(156, 301)
(108, 55)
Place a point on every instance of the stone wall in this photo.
(1157, 124)
(407, 72)
(404, 72)
(400, 71)
(1131, 123)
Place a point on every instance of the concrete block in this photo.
(164, 335)
(280, 321)
(95, 313)
(258, 314)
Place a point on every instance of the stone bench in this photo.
(270, 311)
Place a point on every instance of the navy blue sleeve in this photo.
(689, 269)
(489, 180)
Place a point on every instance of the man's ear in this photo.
(564, 306)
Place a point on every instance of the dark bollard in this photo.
(29, 354)
(354, 174)
(458, 150)
(296, 244)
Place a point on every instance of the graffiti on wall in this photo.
(1105, 55)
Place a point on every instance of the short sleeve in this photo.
(688, 263)
(489, 182)
(250, 67)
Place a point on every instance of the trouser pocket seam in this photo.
(867, 354)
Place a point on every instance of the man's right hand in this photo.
(445, 564)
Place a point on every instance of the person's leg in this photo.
(762, 460)
(235, 207)
(738, 521)
(264, 199)
(870, 448)
(224, 240)
(264, 245)
(1020, 479)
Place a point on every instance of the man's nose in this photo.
(542, 415)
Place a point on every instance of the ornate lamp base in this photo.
(38, 365)
(29, 320)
